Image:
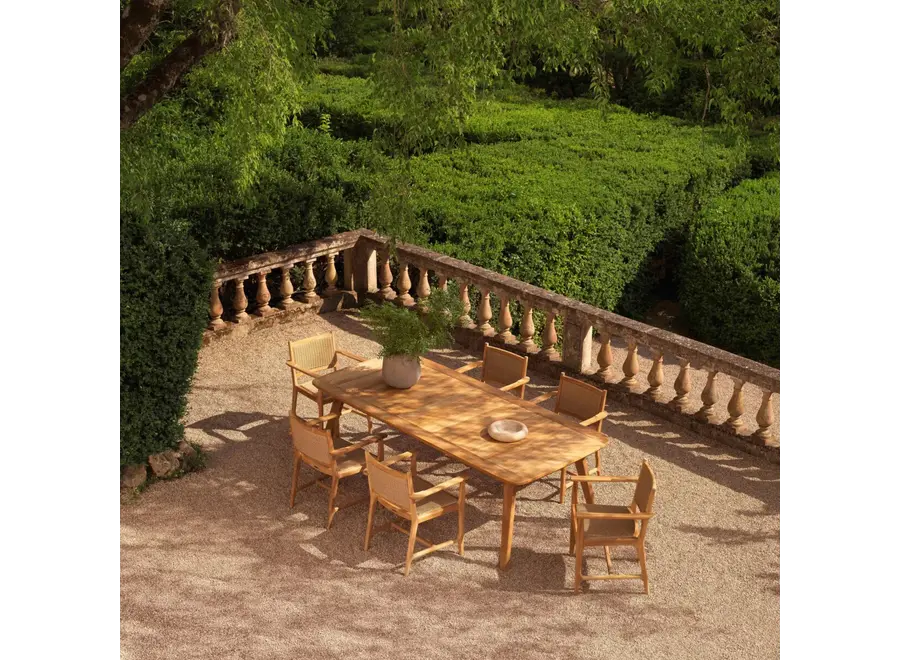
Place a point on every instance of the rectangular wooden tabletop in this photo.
(450, 412)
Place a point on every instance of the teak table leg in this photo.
(582, 468)
(509, 514)
(334, 425)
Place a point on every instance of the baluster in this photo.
(682, 386)
(505, 321)
(631, 366)
(765, 418)
(403, 285)
(308, 294)
(330, 276)
(708, 397)
(442, 282)
(423, 290)
(385, 277)
(736, 406)
(605, 357)
(549, 338)
(526, 329)
(286, 289)
(215, 308)
(656, 377)
(465, 321)
(262, 295)
(239, 301)
(484, 313)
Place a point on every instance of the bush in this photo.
(165, 280)
(730, 274)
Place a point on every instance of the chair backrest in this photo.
(502, 366)
(392, 485)
(578, 399)
(312, 353)
(312, 442)
(644, 493)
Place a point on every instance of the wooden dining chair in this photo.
(502, 369)
(313, 445)
(608, 525)
(414, 499)
(313, 357)
(585, 403)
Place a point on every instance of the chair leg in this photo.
(332, 495)
(642, 557)
(380, 449)
(461, 521)
(562, 485)
(372, 503)
(294, 480)
(413, 529)
(572, 536)
(579, 552)
(369, 423)
(608, 560)
(597, 455)
(294, 402)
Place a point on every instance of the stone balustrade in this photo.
(368, 273)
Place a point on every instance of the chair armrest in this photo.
(603, 478)
(545, 396)
(411, 455)
(422, 494)
(593, 420)
(602, 515)
(470, 366)
(514, 385)
(308, 372)
(315, 421)
(352, 356)
(368, 440)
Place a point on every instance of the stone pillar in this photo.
(656, 377)
(423, 289)
(287, 288)
(465, 321)
(330, 276)
(548, 338)
(215, 308)
(365, 270)
(348, 289)
(682, 386)
(736, 406)
(765, 418)
(484, 313)
(631, 367)
(577, 344)
(403, 286)
(442, 282)
(605, 358)
(308, 294)
(505, 321)
(262, 295)
(239, 301)
(386, 277)
(526, 329)
(708, 397)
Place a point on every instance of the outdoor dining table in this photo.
(450, 412)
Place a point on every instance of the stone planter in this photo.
(401, 371)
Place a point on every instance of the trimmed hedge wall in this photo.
(730, 274)
(164, 295)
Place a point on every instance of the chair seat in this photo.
(595, 529)
(312, 391)
(352, 463)
(433, 505)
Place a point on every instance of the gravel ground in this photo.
(216, 565)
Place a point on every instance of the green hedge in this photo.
(730, 273)
(164, 296)
(571, 197)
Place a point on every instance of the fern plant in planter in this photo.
(407, 335)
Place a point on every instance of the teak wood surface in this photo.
(450, 412)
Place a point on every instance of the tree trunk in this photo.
(139, 20)
(167, 74)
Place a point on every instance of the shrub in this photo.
(164, 295)
(730, 273)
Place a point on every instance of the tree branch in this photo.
(165, 75)
(139, 20)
